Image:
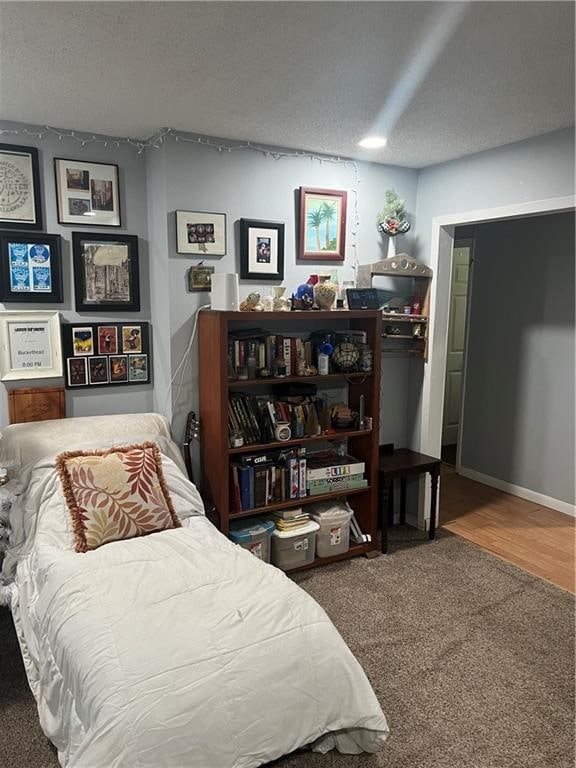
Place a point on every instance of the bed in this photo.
(173, 649)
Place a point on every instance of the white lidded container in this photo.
(333, 536)
(292, 549)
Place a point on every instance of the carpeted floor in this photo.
(471, 659)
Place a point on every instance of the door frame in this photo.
(468, 242)
(442, 244)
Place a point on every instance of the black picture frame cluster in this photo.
(106, 354)
(31, 263)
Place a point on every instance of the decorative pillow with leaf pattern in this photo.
(115, 494)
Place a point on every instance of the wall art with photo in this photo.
(20, 201)
(106, 354)
(106, 273)
(261, 250)
(322, 224)
(201, 233)
(87, 193)
(30, 268)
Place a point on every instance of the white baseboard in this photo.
(517, 490)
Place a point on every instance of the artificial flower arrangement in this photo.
(392, 218)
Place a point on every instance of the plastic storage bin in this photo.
(333, 536)
(254, 535)
(292, 549)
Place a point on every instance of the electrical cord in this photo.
(181, 369)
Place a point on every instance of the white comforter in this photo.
(179, 649)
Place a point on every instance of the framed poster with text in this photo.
(30, 345)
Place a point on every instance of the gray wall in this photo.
(132, 173)
(535, 169)
(246, 184)
(518, 415)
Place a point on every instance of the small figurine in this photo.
(251, 303)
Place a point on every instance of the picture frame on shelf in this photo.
(106, 272)
(30, 268)
(261, 250)
(200, 233)
(322, 224)
(106, 354)
(87, 193)
(30, 345)
(20, 199)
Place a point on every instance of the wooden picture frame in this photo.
(87, 194)
(106, 272)
(30, 345)
(261, 250)
(322, 224)
(30, 268)
(200, 233)
(36, 404)
(20, 200)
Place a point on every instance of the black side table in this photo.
(401, 464)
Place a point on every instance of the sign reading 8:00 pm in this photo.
(30, 268)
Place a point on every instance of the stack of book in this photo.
(290, 519)
(254, 416)
(267, 478)
(328, 472)
(264, 348)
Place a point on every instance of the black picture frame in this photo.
(12, 194)
(117, 367)
(108, 213)
(19, 264)
(86, 289)
(268, 234)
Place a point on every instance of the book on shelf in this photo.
(266, 478)
(254, 417)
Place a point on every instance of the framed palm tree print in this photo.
(322, 224)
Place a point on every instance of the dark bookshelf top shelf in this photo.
(306, 315)
(238, 384)
(399, 317)
(288, 503)
(338, 435)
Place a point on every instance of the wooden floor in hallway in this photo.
(535, 538)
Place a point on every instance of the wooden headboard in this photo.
(36, 404)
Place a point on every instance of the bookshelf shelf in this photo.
(301, 502)
(239, 383)
(339, 435)
(214, 331)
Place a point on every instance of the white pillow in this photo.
(22, 444)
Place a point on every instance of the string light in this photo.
(160, 137)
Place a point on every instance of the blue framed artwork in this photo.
(30, 268)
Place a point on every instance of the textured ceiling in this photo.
(441, 79)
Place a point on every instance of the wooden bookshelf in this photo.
(214, 328)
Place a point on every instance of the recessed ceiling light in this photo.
(373, 142)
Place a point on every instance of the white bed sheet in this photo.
(175, 649)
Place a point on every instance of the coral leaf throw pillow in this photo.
(115, 494)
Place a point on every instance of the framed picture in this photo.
(87, 193)
(261, 250)
(201, 234)
(322, 224)
(106, 277)
(30, 345)
(107, 354)
(20, 203)
(30, 268)
(200, 278)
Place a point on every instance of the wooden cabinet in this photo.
(214, 328)
(403, 333)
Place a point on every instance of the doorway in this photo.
(462, 260)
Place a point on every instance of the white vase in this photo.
(391, 246)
